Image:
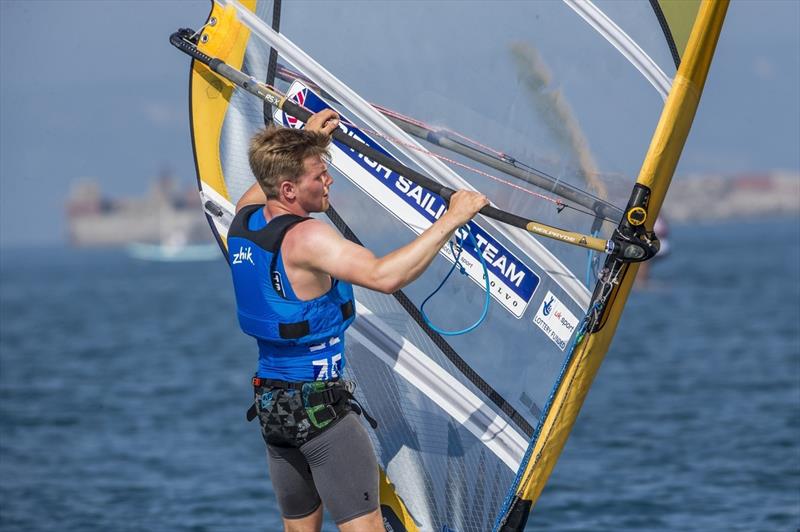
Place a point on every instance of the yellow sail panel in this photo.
(657, 169)
(394, 511)
(680, 16)
(225, 38)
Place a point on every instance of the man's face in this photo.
(313, 185)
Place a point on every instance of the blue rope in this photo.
(463, 272)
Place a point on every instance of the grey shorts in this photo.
(336, 468)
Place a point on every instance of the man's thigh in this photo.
(292, 482)
(345, 470)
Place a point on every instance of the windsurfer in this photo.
(293, 278)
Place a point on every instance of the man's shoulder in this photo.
(310, 230)
(306, 242)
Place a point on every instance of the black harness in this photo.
(292, 413)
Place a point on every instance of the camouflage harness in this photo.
(292, 413)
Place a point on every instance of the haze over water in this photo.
(123, 387)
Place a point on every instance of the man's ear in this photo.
(288, 190)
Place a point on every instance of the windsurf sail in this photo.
(549, 109)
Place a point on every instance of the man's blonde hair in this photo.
(277, 154)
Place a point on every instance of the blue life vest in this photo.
(298, 340)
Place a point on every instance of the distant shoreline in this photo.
(63, 245)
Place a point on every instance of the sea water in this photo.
(124, 386)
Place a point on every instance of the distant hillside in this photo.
(721, 197)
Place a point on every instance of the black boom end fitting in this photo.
(633, 243)
(185, 40)
(636, 246)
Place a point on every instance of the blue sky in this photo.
(93, 89)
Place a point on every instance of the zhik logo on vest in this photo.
(244, 254)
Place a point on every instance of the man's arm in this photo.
(318, 247)
(325, 122)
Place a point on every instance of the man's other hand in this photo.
(325, 121)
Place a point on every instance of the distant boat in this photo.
(164, 253)
(173, 249)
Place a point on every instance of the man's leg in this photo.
(299, 502)
(346, 475)
(372, 522)
(310, 523)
